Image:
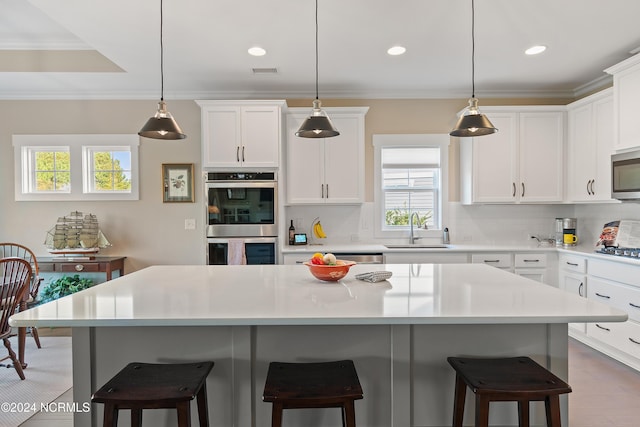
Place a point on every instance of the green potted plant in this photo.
(65, 285)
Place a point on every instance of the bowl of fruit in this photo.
(327, 268)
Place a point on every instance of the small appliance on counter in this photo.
(569, 236)
(559, 231)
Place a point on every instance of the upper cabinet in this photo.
(241, 134)
(326, 170)
(590, 144)
(626, 92)
(521, 163)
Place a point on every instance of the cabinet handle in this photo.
(79, 267)
(522, 190)
(491, 260)
(603, 328)
(633, 341)
(238, 153)
(580, 289)
(322, 191)
(243, 153)
(571, 263)
(603, 296)
(634, 305)
(588, 184)
(593, 181)
(513, 185)
(327, 190)
(531, 260)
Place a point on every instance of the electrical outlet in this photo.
(190, 224)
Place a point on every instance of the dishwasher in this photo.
(361, 258)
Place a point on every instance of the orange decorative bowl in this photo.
(330, 273)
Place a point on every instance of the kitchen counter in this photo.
(398, 332)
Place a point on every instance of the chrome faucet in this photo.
(412, 238)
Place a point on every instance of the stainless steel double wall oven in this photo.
(244, 206)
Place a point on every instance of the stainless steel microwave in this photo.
(625, 176)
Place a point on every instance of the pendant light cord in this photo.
(316, 49)
(473, 50)
(161, 57)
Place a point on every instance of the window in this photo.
(410, 178)
(76, 167)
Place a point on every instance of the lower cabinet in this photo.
(573, 279)
(531, 265)
(425, 258)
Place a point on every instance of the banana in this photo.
(318, 231)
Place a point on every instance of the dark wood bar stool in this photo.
(516, 379)
(312, 385)
(153, 386)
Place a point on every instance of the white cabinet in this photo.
(573, 279)
(626, 92)
(521, 163)
(241, 134)
(590, 144)
(531, 265)
(326, 170)
(426, 257)
(499, 260)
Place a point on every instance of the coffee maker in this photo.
(569, 236)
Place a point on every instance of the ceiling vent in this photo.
(264, 70)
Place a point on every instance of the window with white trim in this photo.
(76, 167)
(410, 178)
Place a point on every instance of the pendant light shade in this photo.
(473, 122)
(162, 125)
(317, 124)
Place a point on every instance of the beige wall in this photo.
(149, 231)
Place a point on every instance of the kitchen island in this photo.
(398, 333)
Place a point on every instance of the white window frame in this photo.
(440, 141)
(79, 146)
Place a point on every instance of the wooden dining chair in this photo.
(15, 276)
(20, 251)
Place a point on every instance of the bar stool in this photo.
(312, 385)
(141, 386)
(516, 379)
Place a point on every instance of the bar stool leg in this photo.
(523, 413)
(458, 405)
(184, 414)
(349, 411)
(552, 407)
(136, 417)
(482, 410)
(203, 411)
(110, 417)
(276, 415)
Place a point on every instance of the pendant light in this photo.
(162, 125)
(317, 124)
(473, 122)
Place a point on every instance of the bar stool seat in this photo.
(517, 379)
(141, 386)
(312, 385)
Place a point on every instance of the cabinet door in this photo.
(575, 284)
(221, 131)
(627, 91)
(604, 134)
(581, 154)
(541, 156)
(494, 160)
(343, 162)
(260, 136)
(305, 165)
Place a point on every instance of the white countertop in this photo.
(290, 295)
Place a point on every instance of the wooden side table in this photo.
(99, 264)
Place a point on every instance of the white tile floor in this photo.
(605, 393)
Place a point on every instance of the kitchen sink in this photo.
(417, 246)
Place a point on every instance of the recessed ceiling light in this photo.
(396, 50)
(534, 50)
(257, 51)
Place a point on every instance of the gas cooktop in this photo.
(626, 252)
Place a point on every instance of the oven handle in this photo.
(241, 184)
(245, 239)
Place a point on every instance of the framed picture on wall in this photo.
(177, 182)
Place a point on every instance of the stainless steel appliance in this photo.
(569, 236)
(625, 252)
(625, 176)
(241, 204)
(258, 250)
